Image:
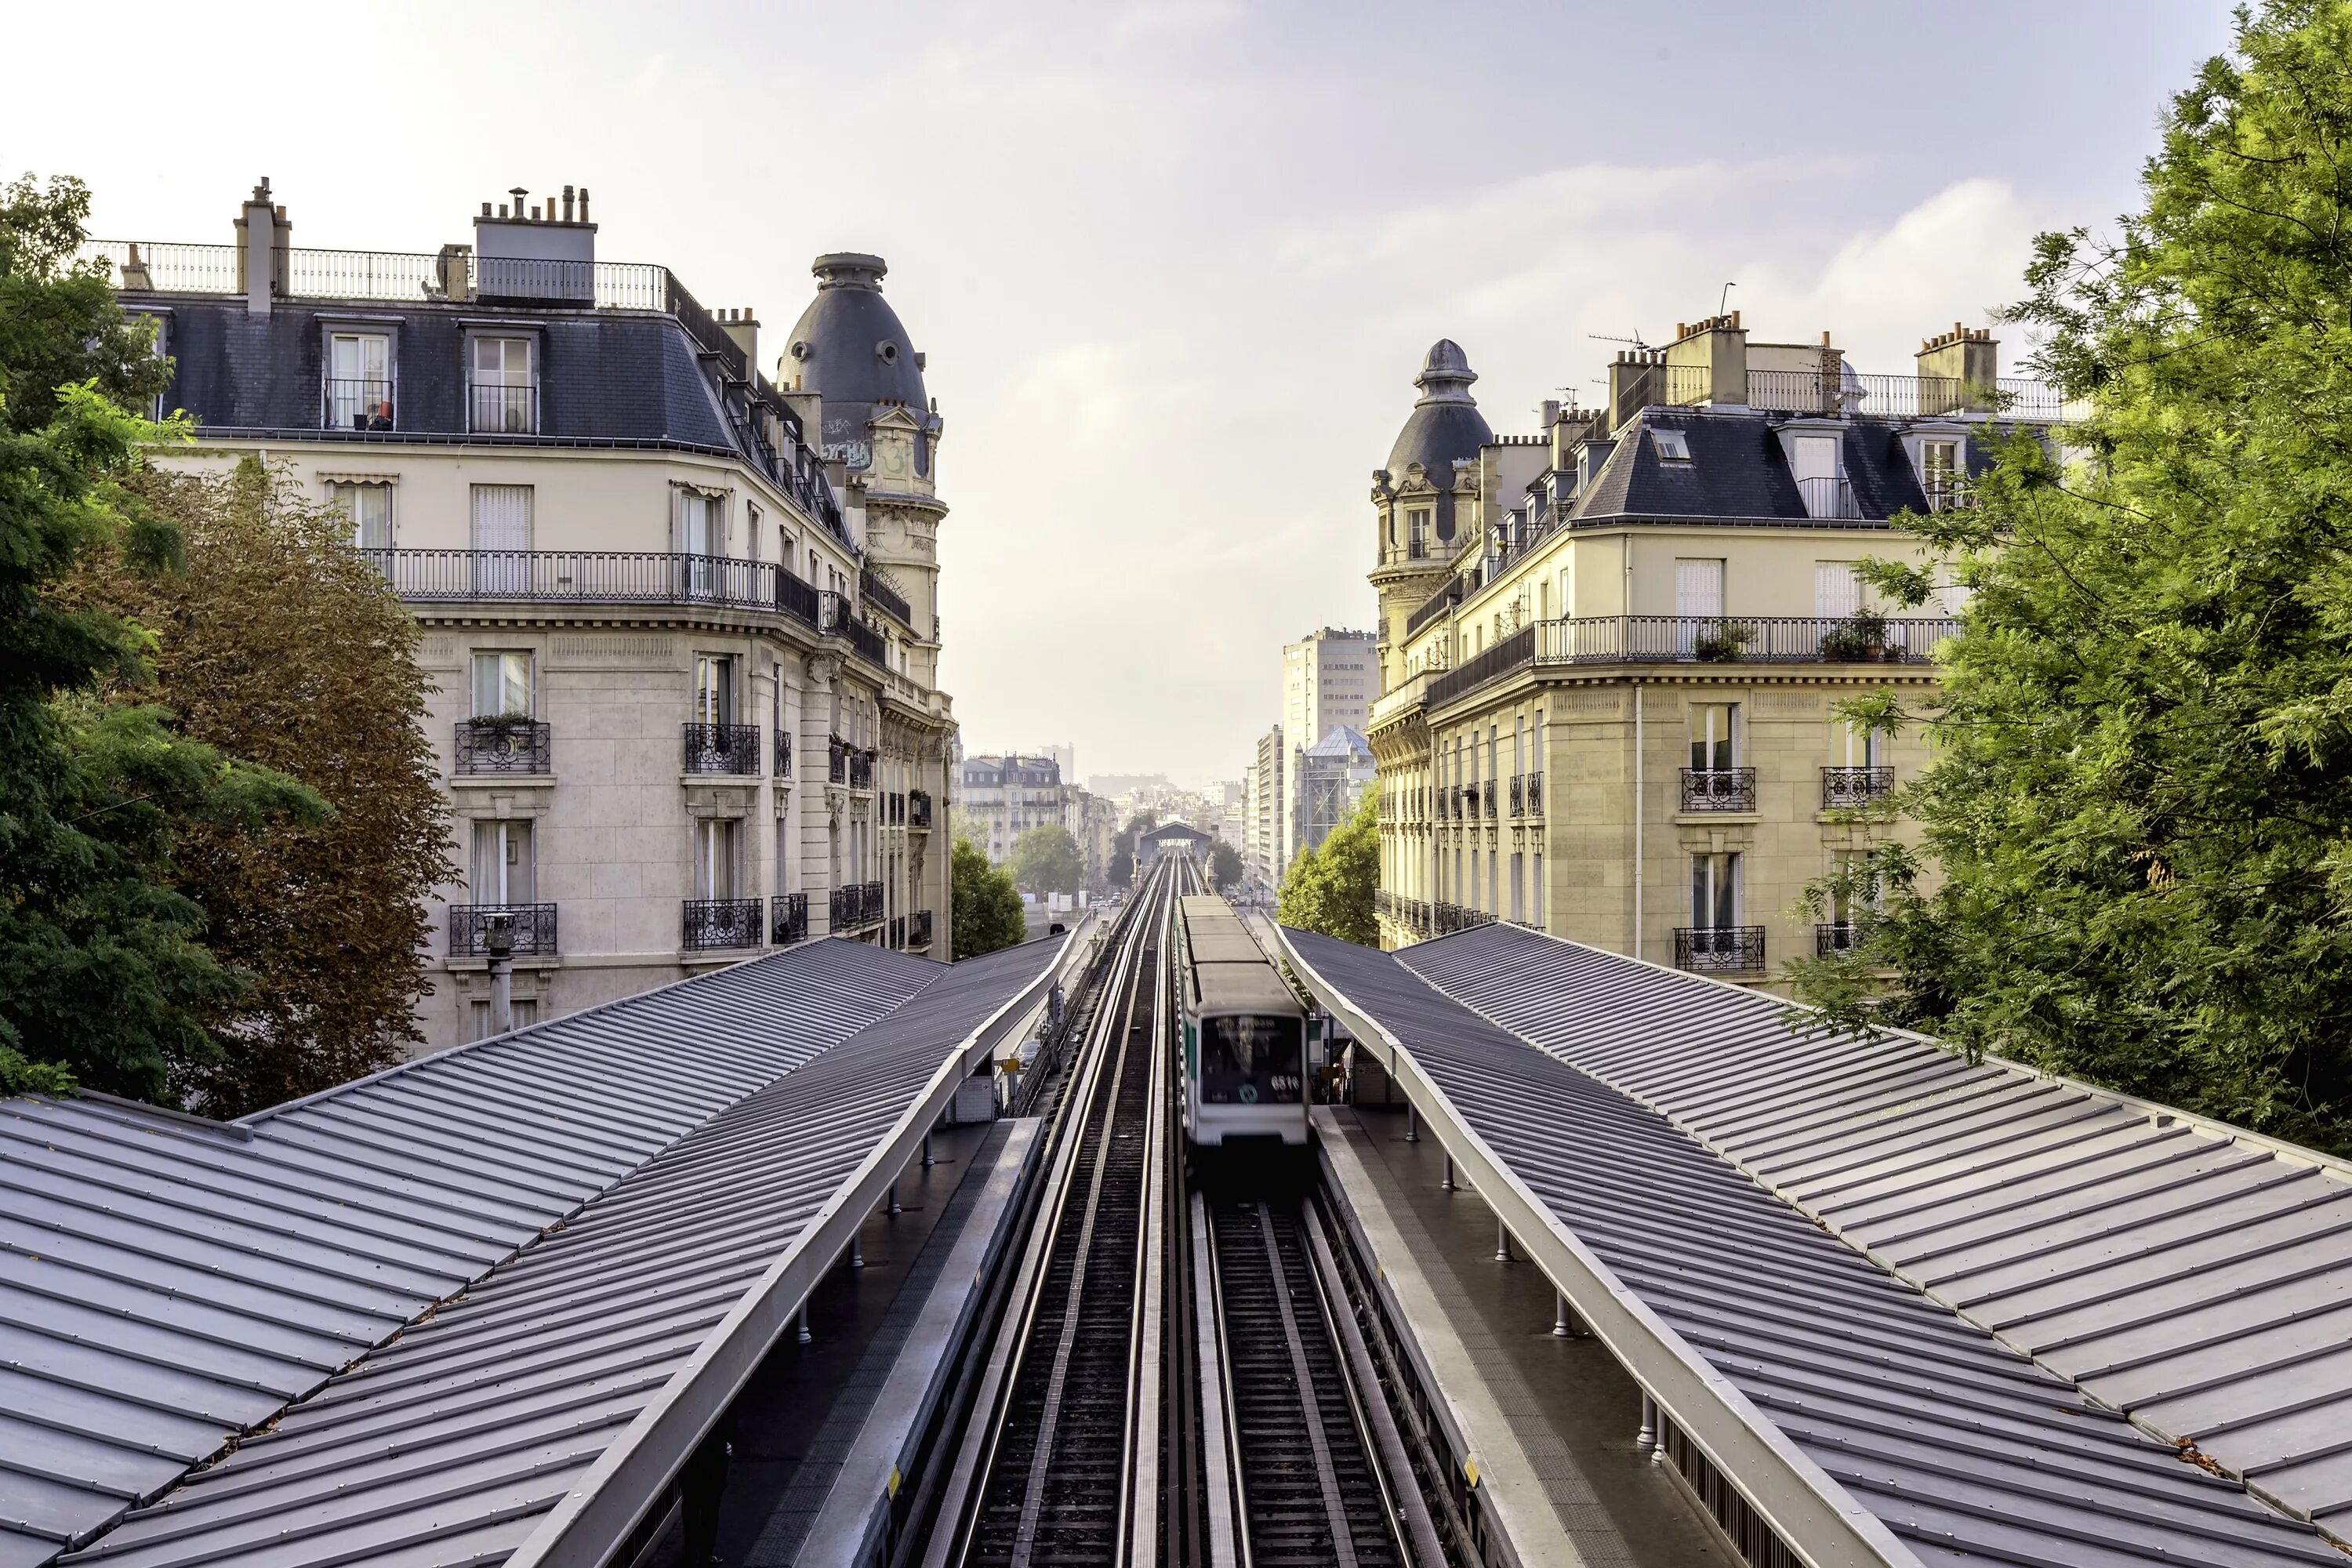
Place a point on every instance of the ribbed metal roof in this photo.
(1964, 1449)
(565, 1371)
(2192, 1275)
(168, 1283)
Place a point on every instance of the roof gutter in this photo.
(604, 1504)
(1818, 1518)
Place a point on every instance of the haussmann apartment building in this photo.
(1609, 650)
(682, 617)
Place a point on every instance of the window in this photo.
(701, 523)
(359, 381)
(714, 689)
(1820, 471)
(1417, 533)
(714, 857)
(1940, 473)
(1714, 890)
(1698, 588)
(1837, 590)
(1851, 885)
(502, 869)
(1673, 446)
(369, 506)
(502, 685)
(1863, 748)
(504, 400)
(1714, 744)
(501, 537)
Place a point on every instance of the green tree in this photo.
(1045, 860)
(1330, 887)
(277, 644)
(1225, 864)
(2140, 809)
(103, 978)
(987, 912)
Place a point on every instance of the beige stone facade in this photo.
(1607, 704)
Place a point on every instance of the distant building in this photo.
(1261, 812)
(1173, 838)
(1328, 677)
(999, 798)
(1331, 777)
(679, 618)
(1093, 821)
(1110, 786)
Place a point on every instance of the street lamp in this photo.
(497, 946)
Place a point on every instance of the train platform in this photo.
(1549, 1422)
(822, 1430)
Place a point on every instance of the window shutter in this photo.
(1698, 588)
(1837, 590)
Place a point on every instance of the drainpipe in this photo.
(1626, 551)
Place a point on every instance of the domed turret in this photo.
(850, 348)
(1445, 424)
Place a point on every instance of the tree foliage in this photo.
(1225, 864)
(1330, 887)
(103, 976)
(1045, 860)
(2140, 811)
(987, 907)
(277, 645)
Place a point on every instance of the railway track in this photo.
(1074, 1444)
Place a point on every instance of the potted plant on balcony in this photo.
(1723, 643)
(1859, 638)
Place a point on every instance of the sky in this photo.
(1174, 264)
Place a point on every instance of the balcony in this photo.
(919, 810)
(861, 769)
(1832, 939)
(783, 754)
(855, 905)
(788, 919)
(885, 598)
(594, 577)
(1718, 789)
(493, 409)
(722, 749)
(361, 404)
(1855, 786)
(503, 745)
(711, 924)
(532, 926)
(1719, 950)
(918, 931)
(837, 619)
(1445, 918)
(1829, 496)
(1699, 639)
(894, 809)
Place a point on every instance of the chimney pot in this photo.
(583, 204)
(567, 204)
(485, 210)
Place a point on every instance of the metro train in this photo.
(1247, 1038)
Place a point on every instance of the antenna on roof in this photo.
(1605, 338)
(1724, 299)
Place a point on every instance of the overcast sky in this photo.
(1174, 264)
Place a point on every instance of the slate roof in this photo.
(457, 1442)
(2193, 1276)
(168, 1284)
(1968, 1451)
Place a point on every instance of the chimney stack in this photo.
(742, 326)
(1707, 363)
(1958, 369)
(264, 239)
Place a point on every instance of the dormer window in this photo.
(1417, 533)
(1673, 446)
(1819, 465)
(1940, 474)
(359, 382)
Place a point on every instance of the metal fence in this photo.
(504, 746)
(533, 927)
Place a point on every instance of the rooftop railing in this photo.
(595, 576)
(1699, 639)
(886, 598)
(1839, 391)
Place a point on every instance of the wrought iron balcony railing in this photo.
(722, 749)
(837, 617)
(861, 769)
(919, 810)
(918, 931)
(1445, 917)
(1719, 950)
(532, 926)
(837, 760)
(788, 919)
(711, 923)
(594, 577)
(496, 409)
(1718, 789)
(898, 939)
(885, 598)
(857, 904)
(1855, 786)
(1832, 937)
(783, 754)
(894, 809)
(504, 745)
(361, 404)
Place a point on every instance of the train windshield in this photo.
(1252, 1059)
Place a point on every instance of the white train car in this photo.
(1245, 1035)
